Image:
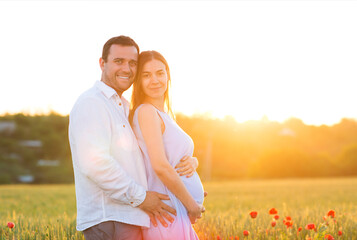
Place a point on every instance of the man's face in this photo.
(119, 70)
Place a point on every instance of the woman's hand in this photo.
(187, 166)
(195, 212)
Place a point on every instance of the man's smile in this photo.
(123, 77)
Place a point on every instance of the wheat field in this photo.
(49, 211)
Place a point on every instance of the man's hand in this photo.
(155, 208)
(187, 166)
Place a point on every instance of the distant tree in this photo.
(348, 160)
(225, 149)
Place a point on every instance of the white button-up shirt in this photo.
(110, 175)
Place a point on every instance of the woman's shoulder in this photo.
(144, 107)
(146, 110)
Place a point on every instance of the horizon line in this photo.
(206, 115)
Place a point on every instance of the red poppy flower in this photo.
(253, 214)
(246, 233)
(288, 218)
(276, 217)
(331, 213)
(273, 223)
(10, 224)
(329, 237)
(340, 233)
(273, 211)
(218, 237)
(299, 229)
(310, 226)
(236, 238)
(289, 224)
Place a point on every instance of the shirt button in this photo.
(124, 126)
(131, 202)
(120, 104)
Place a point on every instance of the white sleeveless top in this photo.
(177, 145)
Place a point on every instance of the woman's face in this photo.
(154, 79)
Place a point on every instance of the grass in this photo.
(49, 211)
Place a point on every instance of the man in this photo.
(110, 179)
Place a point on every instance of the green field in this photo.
(48, 211)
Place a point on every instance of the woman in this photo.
(163, 144)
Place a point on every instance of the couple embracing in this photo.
(134, 171)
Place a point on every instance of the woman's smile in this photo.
(154, 79)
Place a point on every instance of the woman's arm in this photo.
(150, 125)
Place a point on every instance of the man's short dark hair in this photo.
(120, 40)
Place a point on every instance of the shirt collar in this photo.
(105, 89)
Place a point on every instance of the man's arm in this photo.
(90, 135)
(90, 132)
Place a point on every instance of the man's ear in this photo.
(101, 63)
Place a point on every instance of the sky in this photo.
(245, 59)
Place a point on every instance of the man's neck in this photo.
(118, 92)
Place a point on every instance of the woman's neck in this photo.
(158, 103)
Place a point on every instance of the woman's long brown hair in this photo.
(138, 95)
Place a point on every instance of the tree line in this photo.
(225, 149)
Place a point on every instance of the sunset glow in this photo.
(246, 59)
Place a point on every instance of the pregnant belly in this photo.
(194, 187)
